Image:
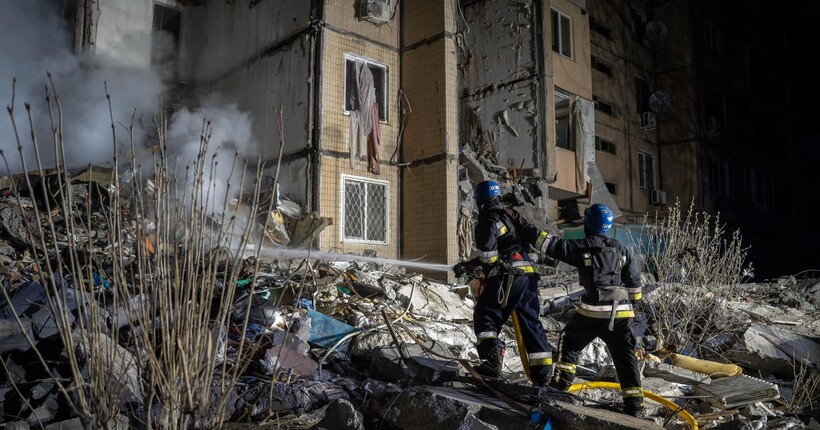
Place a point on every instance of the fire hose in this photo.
(686, 416)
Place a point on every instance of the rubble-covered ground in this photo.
(340, 343)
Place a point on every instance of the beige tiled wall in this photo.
(430, 82)
(342, 14)
(331, 206)
(335, 145)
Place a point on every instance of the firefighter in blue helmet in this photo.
(503, 239)
(610, 277)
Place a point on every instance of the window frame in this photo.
(560, 14)
(610, 143)
(598, 102)
(602, 66)
(642, 180)
(386, 90)
(614, 189)
(342, 206)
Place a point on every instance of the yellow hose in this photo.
(711, 368)
(522, 350)
(648, 394)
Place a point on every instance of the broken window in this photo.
(561, 33)
(605, 145)
(380, 84)
(603, 106)
(563, 121)
(646, 172)
(642, 91)
(365, 210)
(165, 41)
(612, 188)
(601, 66)
(599, 27)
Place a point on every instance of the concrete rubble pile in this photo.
(352, 345)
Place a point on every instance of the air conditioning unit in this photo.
(375, 11)
(712, 125)
(649, 120)
(657, 197)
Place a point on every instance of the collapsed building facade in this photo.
(586, 103)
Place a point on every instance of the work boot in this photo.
(634, 406)
(560, 381)
(540, 376)
(491, 352)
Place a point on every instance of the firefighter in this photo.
(503, 239)
(610, 277)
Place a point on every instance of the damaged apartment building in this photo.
(393, 110)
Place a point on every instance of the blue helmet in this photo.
(598, 219)
(486, 190)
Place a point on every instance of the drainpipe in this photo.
(314, 158)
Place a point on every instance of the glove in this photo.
(463, 268)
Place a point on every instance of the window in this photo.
(563, 121)
(719, 178)
(761, 189)
(642, 91)
(638, 21)
(364, 203)
(612, 188)
(646, 174)
(714, 110)
(380, 83)
(600, 28)
(603, 106)
(165, 41)
(561, 34)
(605, 145)
(711, 38)
(601, 66)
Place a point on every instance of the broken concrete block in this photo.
(736, 391)
(773, 350)
(434, 301)
(121, 367)
(17, 425)
(72, 424)
(42, 389)
(325, 331)
(387, 363)
(45, 324)
(45, 412)
(12, 337)
(363, 345)
(676, 374)
(340, 414)
(569, 416)
(433, 370)
(435, 408)
(22, 300)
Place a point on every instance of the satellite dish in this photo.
(660, 102)
(655, 31)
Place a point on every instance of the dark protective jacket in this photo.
(577, 252)
(503, 240)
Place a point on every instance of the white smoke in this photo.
(34, 41)
(229, 141)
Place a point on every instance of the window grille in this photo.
(365, 210)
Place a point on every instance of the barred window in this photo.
(365, 210)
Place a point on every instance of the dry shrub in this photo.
(168, 364)
(700, 266)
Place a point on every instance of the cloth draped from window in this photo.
(364, 121)
(586, 170)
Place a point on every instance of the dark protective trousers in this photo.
(582, 330)
(488, 318)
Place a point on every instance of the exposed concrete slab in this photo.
(774, 349)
